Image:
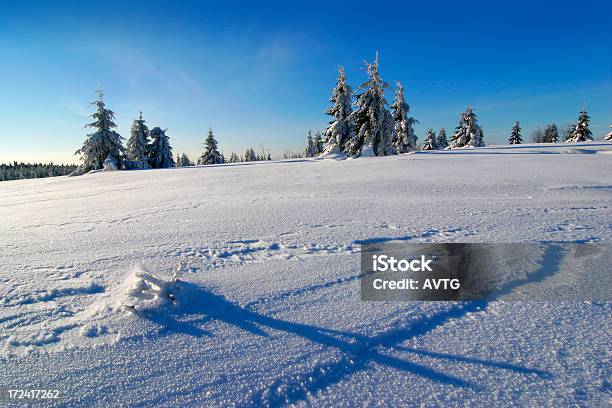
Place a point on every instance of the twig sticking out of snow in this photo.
(177, 272)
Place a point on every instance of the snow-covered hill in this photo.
(266, 309)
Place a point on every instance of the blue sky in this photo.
(260, 73)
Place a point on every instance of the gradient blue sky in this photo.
(260, 73)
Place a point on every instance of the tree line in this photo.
(18, 171)
(365, 124)
(362, 124)
(145, 149)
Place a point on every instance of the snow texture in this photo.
(266, 310)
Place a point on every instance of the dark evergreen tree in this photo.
(318, 143)
(104, 142)
(442, 140)
(249, 155)
(19, 171)
(211, 155)
(160, 151)
(551, 134)
(515, 137)
(311, 150)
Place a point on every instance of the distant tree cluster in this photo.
(103, 149)
(550, 134)
(368, 126)
(18, 171)
(290, 154)
(572, 133)
(182, 160)
(146, 148)
(314, 146)
(250, 155)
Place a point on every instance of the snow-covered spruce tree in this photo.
(160, 151)
(515, 137)
(310, 150)
(608, 137)
(249, 155)
(581, 131)
(103, 143)
(404, 139)
(340, 130)
(211, 155)
(372, 119)
(479, 142)
(318, 143)
(431, 142)
(551, 134)
(538, 135)
(182, 160)
(442, 140)
(137, 144)
(467, 133)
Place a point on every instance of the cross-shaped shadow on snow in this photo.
(199, 305)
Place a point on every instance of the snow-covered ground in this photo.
(266, 309)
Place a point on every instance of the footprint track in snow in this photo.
(244, 251)
(48, 324)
